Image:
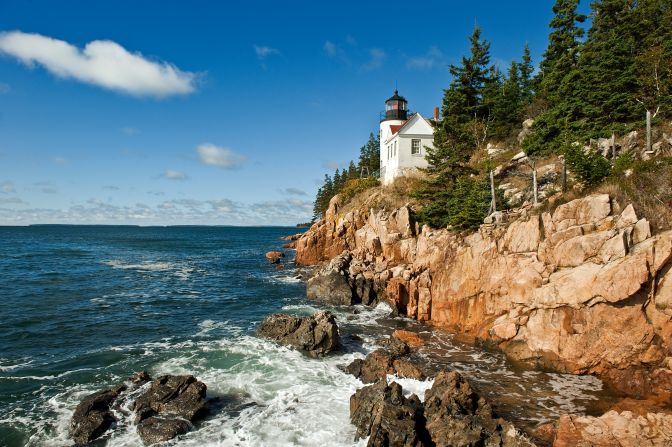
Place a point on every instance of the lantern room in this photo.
(396, 108)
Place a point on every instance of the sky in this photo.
(216, 113)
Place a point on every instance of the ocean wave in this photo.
(179, 270)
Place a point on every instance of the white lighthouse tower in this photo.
(403, 140)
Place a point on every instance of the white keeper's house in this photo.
(403, 139)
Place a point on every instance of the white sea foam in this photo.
(412, 386)
(181, 271)
(9, 366)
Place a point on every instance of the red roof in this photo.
(395, 127)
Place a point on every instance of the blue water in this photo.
(83, 307)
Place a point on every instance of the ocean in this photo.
(84, 307)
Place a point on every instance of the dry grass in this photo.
(649, 189)
(389, 197)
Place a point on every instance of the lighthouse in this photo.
(403, 140)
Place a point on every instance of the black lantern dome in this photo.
(396, 108)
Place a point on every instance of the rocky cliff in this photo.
(585, 289)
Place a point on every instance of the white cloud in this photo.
(49, 190)
(331, 164)
(376, 59)
(7, 187)
(430, 59)
(111, 187)
(293, 192)
(11, 200)
(174, 175)
(130, 131)
(219, 156)
(60, 160)
(103, 63)
(263, 52)
(330, 48)
(222, 211)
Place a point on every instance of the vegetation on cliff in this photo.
(585, 89)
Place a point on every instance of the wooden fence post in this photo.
(534, 182)
(492, 191)
(648, 130)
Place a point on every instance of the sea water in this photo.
(84, 307)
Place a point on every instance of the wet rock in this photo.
(382, 412)
(453, 415)
(392, 360)
(412, 339)
(93, 417)
(457, 416)
(274, 256)
(140, 378)
(169, 406)
(330, 284)
(156, 429)
(316, 335)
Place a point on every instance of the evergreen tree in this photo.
(369, 155)
(562, 54)
(465, 115)
(557, 80)
(526, 69)
(606, 76)
(508, 104)
(352, 171)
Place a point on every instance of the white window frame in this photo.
(419, 149)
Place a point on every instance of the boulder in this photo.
(169, 406)
(93, 417)
(412, 339)
(155, 429)
(457, 416)
(453, 415)
(393, 359)
(330, 284)
(316, 335)
(382, 413)
(274, 256)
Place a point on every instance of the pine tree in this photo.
(465, 115)
(526, 69)
(508, 104)
(369, 155)
(562, 54)
(352, 171)
(607, 75)
(557, 81)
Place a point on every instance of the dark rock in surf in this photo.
(393, 359)
(382, 412)
(452, 415)
(156, 429)
(316, 335)
(92, 417)
(457, 416)
(330, 284)
(169, 407)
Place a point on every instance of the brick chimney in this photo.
(436, 114)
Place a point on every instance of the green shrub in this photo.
(355, 186)
(589, 166)
(463, 206)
